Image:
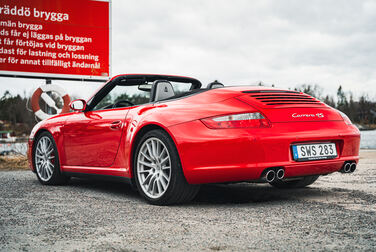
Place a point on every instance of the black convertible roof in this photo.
(136, 79)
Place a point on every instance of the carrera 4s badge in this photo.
(317, 115)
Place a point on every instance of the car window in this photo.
(180, 87)
(123, 96)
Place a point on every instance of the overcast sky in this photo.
(285, 43)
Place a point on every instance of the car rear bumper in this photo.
(228, 155)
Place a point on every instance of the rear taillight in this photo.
(245, 120)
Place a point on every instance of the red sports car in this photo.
(167, 135)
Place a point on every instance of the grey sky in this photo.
(241, 42)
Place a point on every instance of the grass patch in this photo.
(12, 163)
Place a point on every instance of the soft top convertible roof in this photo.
(137, 79)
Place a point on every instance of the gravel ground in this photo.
(335, 213)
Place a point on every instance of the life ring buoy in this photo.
(41, 92)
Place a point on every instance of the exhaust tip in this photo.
(280, 174)
(347, 167)
(270, 176)
(352, 167)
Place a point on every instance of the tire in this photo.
(158, 173)
(46, 161)
(305, 181)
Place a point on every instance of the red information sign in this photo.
(67, 39)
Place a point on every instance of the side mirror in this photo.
(78, 105)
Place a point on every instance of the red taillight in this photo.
(245, 120)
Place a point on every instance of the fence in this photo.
(13, 148)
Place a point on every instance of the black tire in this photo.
(305, 181)
(57, 178)
(178, 190)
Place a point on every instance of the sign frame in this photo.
(71, 77)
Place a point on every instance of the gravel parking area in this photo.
(338, 212)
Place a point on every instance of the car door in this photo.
(92, 138)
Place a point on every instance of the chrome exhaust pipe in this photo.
(270, 176)
(347, 167)
(352, 167)
(280, 174)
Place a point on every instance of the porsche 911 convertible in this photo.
(166, 135)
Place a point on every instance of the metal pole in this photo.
(48, 109)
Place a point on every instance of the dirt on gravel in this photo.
(338, 212)
(12, 163)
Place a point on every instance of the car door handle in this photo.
(115, 125)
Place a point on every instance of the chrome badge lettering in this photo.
(317, 115)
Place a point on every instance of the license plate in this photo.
(306, 152)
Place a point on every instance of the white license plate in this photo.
(306, 152)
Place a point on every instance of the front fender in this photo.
(54, 127)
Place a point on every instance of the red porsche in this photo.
(166, 135)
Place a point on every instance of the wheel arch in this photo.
(36, 135)
(40, 131)
(137, 138)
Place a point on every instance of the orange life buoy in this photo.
(41, 92)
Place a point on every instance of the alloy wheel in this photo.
(45, 158)
(154, 167)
